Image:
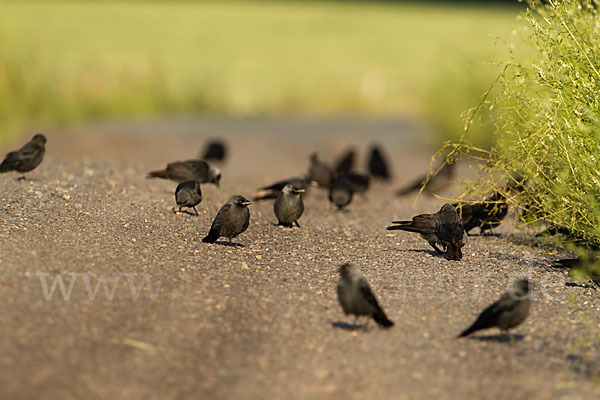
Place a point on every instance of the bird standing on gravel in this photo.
(437, 182)
(272, 191)
(231, 220)
(188, 194)
(215, 151)
(288, 206)
(444, 227)
(485, 215)
(319, 171)
(340, 192)
(508, 312)
(355, 296)
(27, 157)
(180, 171)
(378, 167)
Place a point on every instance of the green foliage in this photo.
(66, 61)
(547, 121)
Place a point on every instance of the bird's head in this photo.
(39, 138)
(347, 270)
(214, 175)
(239, 201)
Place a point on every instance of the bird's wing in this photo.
(220, 215)
(368, 295)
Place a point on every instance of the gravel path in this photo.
(260, 321)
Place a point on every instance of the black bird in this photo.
(508, 312)
(215, 151)
(188, 194)
(319, 171)
(231, 220)
(180, 171)
(340, 192)
(27, 157)
(436, 184)
(272, 191)
(588, 266)
(444, 227)
(378, 167)
(355, 297)
(485, 215)
(359, 183)
(345, 163)
(288, 206)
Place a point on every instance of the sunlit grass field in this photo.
(68, 61)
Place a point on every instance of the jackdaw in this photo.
(345, 163)
(272, 191)
(27, 157)
(509, 311)
(358, 182)
(180, 171)
(188, 194)
(215, 151)
(484, 215)
(288, 206)
(231, 220)
(355, 297)
(319, 171)
(436, 183)
(444, 227)
(378, 167)
(340, 192)
(587, 265)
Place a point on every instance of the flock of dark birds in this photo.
(444, 230)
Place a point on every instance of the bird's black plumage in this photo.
(215, 151)
(345, 163)
(180, 171)
(356, 297)
(359, 183)
(188, 194)
(508, 312)
(319, 171)
(377, 164)
(232, 219)
(27, 157)
(444, 227)
(484, 215)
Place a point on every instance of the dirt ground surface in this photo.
(184, 319)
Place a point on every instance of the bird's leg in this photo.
(437, 249)
(21, 178)
(366, 326)
(194, 207)
(297, 224)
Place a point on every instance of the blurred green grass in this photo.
(65, 61)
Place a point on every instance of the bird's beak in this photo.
(247, 203)
(300, 190)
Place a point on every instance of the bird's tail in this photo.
(212, 236)
(407, 228)
(157, 174)
(382, 319)
(468, 331)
